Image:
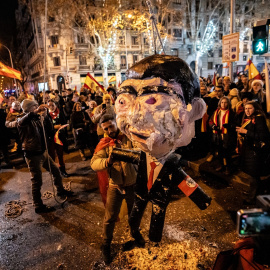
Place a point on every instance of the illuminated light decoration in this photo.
(150, 37)
(244, 34)
(206, 44)
(164, 42)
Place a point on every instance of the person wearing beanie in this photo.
(105, 108)
(234, 98)
(32, 124)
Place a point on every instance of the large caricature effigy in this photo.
(156, 108)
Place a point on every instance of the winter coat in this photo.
(227, 140)
(31, 132)
(120, 173)
(256, 148)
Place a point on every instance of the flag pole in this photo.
(45, 34)
(267, 87)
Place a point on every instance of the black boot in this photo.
(106, 253)
(63, 171)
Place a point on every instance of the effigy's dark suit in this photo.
(159, 195)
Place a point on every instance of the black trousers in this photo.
(159, 196)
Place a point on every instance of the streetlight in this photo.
(10, 62)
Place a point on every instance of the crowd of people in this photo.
(234, 125)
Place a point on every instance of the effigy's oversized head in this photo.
(158, 103)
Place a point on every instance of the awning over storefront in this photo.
(10, 72)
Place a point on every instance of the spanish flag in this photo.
(112, 79)
(89, 80)
(10, 72)
(253, 73)
(56, 136)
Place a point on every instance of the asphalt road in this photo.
(70, 237)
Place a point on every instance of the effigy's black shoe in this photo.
(44, 209)
(139, 240)
(106, 253)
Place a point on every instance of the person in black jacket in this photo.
(255, 148)
(79, 121)
(32, 125)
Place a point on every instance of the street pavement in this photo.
(70, 237)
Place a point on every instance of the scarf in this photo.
(225, 120)
(107, 141)
(54, 114)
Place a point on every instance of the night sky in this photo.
(7, 27)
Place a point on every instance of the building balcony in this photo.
(123, 66)
(35, 58)
(55, 48)
(82, 46)
(57, 69)
(85, 68)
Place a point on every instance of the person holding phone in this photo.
(105, 108)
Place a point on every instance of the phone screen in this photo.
(253, 223)
(103, 106)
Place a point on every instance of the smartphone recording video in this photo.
(253, 222)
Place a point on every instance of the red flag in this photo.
(119, 84)
(89, 79)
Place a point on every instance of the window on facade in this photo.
(189, 50)
(145, 41)
(122, 40)
(188, 34)
(174, 52)
(80, 38)
(82, 60)
(51, 19)
(220, 36)
(177, 33)
(210, 53)
(94, 39)
(220, 53)
(244, 58)
(135, 59)
(123, 61)
(56, 61)
(210, 65)
(245, 48)
(134, 40)
(54, 41)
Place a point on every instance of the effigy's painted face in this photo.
(153, 115)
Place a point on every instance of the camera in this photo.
(103, 106)
(256, 221)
